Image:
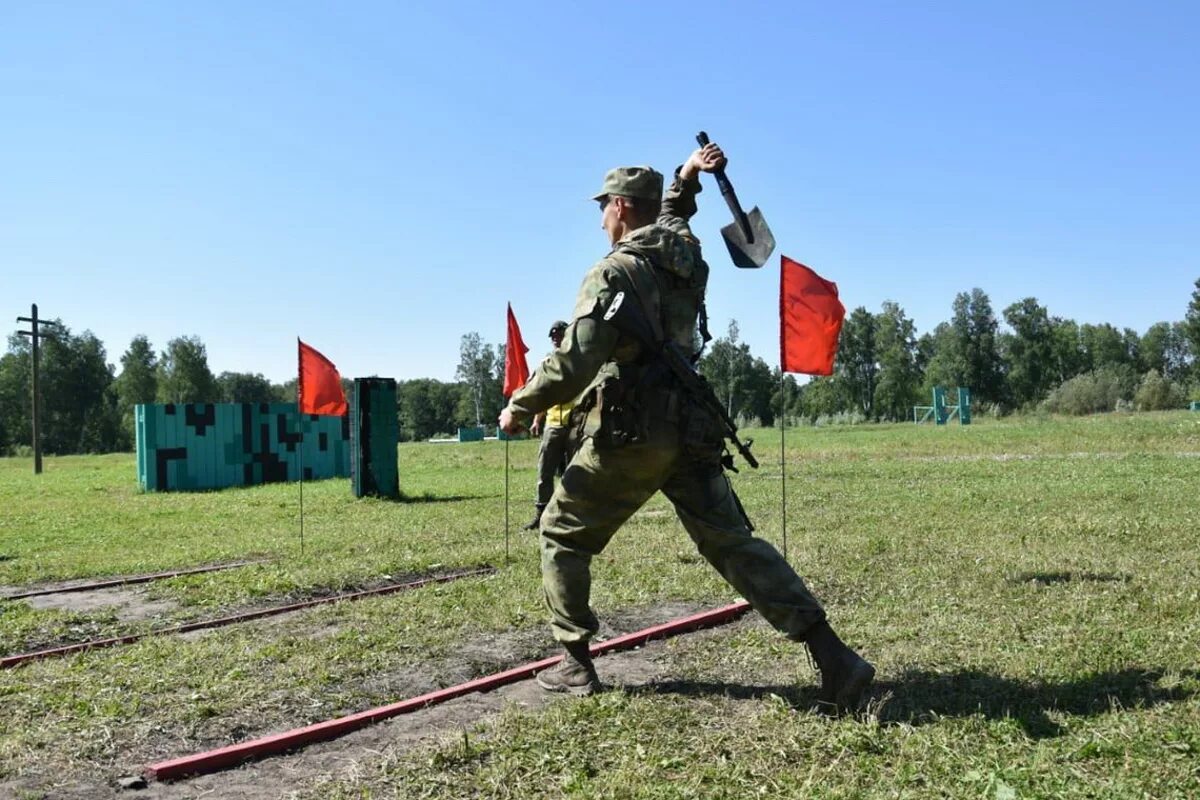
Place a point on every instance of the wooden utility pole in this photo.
(35, 334)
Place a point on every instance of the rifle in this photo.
(698, 387)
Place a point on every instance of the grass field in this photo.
(1029, 590)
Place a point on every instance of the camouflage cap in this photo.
(558, 327)
(643, 182)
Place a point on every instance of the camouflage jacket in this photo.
(660, 265)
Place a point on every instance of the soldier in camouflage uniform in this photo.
(551, 427)
(640, 434)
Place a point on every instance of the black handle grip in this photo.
(727, 192)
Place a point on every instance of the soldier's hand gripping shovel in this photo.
(749, 240)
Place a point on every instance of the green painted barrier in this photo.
(199, 446)
(374, 433)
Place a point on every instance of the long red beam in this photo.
(128, 579)
(21, 658)
(214, 760)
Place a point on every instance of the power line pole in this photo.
(35, 334)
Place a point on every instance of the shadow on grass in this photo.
(449, 498)
(919, 698)
(1047, 578)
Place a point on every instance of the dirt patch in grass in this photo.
(357, 753)
(126, 604)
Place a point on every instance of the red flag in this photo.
(810, 319)
(320, 386)
(516, 371)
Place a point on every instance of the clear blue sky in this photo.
(380, 179)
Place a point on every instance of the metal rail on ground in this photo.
(125, 580)
(20, 658)
(222, 758)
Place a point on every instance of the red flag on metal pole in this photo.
(516, 370)
(319, 390)
(810, 320)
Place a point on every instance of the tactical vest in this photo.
(634, 389)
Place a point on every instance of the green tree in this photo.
(426, 407)
(728, 366)
(138, 381)
(246, 387)
(1164, 349)
(761, 382)
(16, 376)
(1107, 351)
(824, 396)
(785, 400)
(897, 387)
(1067, 355)
(976, 328)
(79, 404)
(1029, 351)
(857, 363)
(183, 373)
(1191, 330)
(1156, 393)
(944, 357)
(477, 371)
(1103, 346)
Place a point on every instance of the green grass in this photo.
(1027, 588)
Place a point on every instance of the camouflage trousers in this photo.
(552, 456)
(603, 486)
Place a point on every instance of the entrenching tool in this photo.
(749, 240)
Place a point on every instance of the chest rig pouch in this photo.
(642, 391)
(620, 415)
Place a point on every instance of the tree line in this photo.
(882, 369)
(88, 403)
(1036, 361)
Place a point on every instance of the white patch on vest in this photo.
(614, 306)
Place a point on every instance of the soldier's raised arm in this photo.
(679, 201)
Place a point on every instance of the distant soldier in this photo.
(551, 425)
(641, 433)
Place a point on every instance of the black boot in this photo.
(845, 675)
(536, 522)
(575, 674)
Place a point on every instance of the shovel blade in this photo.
(749, 251)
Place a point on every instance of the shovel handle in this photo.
(727, 192)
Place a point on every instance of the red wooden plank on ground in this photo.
(214, 760)
(94, 644)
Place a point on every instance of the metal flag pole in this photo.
(783, 458)
(300, 423)
(300, 426)
(506, 498)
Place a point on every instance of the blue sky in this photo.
(382, 178)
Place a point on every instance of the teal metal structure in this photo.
(200, 446)
(940, 412)
(470, 434)
(374, 433)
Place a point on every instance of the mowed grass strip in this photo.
(1034, 618)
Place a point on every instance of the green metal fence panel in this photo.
(940, 415)
(198, 446)
(470, 434)
(374, 433)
